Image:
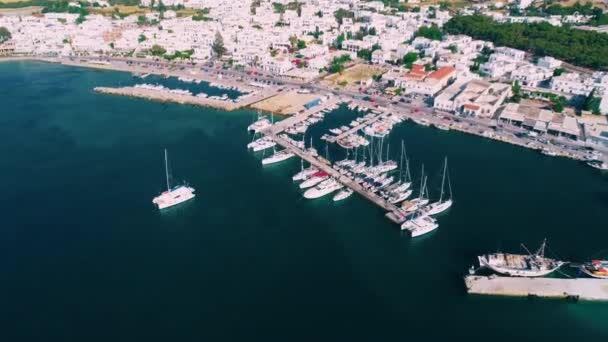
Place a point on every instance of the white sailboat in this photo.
(420, 225)
(342, 195)
(277, 157)
(175, 195)
(441, 205)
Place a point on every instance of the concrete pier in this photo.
(358, 127)
(166, 96)
(580, 288)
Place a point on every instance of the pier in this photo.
(579, 288)
(166, 96)
(358, 127)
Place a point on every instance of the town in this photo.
(412, 57)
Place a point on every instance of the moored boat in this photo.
(521, 265)
(596, 269)
(174, 195)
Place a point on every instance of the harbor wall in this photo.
(578, 288)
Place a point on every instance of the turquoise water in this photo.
(84, 256)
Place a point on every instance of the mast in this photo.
(443, 179)
(422, 180)
(401, 163)
(167, 171)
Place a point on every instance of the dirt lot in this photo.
(285, 103)
(352, 76)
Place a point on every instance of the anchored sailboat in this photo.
(175, 195)
(441, 205)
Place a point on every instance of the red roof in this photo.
(442, 73)
(471, 106)
(417, 72)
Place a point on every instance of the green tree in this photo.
(558, 71)
(5, 34)
(409, 59)
(218, 47)
(157, 50)
(293, 41)
(301, 44)
(341, 13)
(141, 38)
(433, 32)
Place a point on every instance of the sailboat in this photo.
(173, 196)
(422, 200)
(441, 205)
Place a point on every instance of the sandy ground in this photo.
(285, 103)
(20, 11)
(352, 76)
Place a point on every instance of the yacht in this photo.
(596, 269)
(315, 179)
(335, 131)
(420, 225)
(343, 194)
(277, 157)
(324, 188)
(399, 197)
(521, 265)
(443, 204)
(174, 195)
(259, 125)
(304, 174)
(261, 144)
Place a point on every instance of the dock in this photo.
(358, 127)
(579, 288)
(393, 210)
(166, 96)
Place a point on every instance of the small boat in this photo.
(261, 124)
(603, 166)
(335, 131)
(173, 195)
(422, 122)
(399, 197)
(596, 269)
(343, 194)
(548, 152)
(277, 157)
(304, 173)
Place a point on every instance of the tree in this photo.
(592, 103)
(157, 50)
(341, 13)
(433, 32)
(218, 47)
(5, 34)
(301, 44)
(141, 38)
(409, 59)
(559, 104)
(516, 89)
(558, 71)
(340, 40)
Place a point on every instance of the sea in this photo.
(85, 256)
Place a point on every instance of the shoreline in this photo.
(261, 95)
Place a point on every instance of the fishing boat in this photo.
(324, 188)
(277, 157)
(521, 265)
(596, 269)
(342, 195)
(420, 225)
(315, 179)
(443, 204)
(173, 195)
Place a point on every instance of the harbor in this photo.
(250, 224)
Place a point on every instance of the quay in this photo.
(166, 96)
(579, 288)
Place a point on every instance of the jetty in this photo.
(578, 288)
(167, 96)
(360, 126)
